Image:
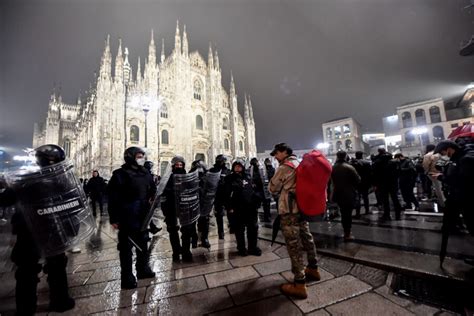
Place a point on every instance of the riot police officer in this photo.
(130, 191)
(26, 255)
(203, 221)
(219, 200)
(154, 229)
(168, 206)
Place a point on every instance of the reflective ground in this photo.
(218, 282)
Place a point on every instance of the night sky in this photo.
(303, 62)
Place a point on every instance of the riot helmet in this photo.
(238, 162)
(254, 161)
(130, 155)
(221, 160)
(50, 154)
(175, 160)
(148, 165)
(199, 165)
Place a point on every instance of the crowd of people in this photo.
(238, 194)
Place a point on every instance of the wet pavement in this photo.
(218, 282)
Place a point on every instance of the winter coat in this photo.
(130, 191)
(385, 171)
(240, 194)
(429, 163)
(345, 181)
(407, 172)
(283, 183)
(364, 170)
(270, 171)
(95, 186)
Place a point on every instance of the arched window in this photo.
(331, 148)
(409, 138)
(337, 132)
(134, 134)
(225, 123)
(164, 111)
(241, 146)
(438, 133)
(435, 114)
(164, 165)
(199, 124)
(338, 145)
(165, 137)
(346, 129)
(328, 133)
(348, 145)
(226, 144)
(67, 147)
(420, 117)
(406, 120)
(197, 89)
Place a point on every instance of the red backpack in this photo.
(312, 177)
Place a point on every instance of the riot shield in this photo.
(186, 188)
(156, 204)
(264, 176)
(209, 190)
(54, 206)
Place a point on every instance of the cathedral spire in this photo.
(127, 69)
(246, 109)
(185, 43)
(52, 98)
(139, 71)
(216, 61)
(79, 98)
(251, 110)
(119, 64)
(232, 85)
(210, 57)
(162, 50)
(152, 51)
(106, 61)
(177, 40)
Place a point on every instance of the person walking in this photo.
(429, 165)
(407, 181)
(386, 172)
(267, 202)
(295, 228)
(364, 170)
(95, 188)
(345, 182)
(130, 192)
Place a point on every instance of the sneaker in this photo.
(76, 250)
(145, 274)
(128, 284)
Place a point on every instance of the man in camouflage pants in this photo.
(295, 229)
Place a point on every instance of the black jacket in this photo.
(95, 186)
(407, 171)
(270, 171)
(345, 181)
(385, 171)
(220, 194)
(364, 170)
(168, 198)
(240, 194)
(130, 190)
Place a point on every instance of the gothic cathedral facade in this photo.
(177, 106)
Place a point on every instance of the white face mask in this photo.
(140, 161)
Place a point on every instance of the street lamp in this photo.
(146, 109)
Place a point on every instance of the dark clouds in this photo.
(303, 62)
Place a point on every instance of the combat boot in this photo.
(145, 273)
(128, 282)
(312, 274)
(296, 289)
(205, 243)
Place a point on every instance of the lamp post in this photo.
(146, 109)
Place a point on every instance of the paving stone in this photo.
(271, 267)
(105, 274)
(8, 282)
(335, 266)
(386, 292)
(251, 260)
(199, 303)
(367, 304)
(319, 312)
(372, 276)
(288, 275)
(282, 252)
(202, 269)
(232, 276)
(142, 309)
(422, 310)
(79, 278)
(256, 289)
(99, 304)
(87, 290)
(97, 265)
(278, 305)
(174, 288)
(330, 292)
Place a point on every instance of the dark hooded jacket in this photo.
(220, 194)
(95, 187)
(130, 190)
(385, 171)
(240, 194)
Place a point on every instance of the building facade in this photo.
(343, 134)
(176, 106)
